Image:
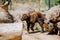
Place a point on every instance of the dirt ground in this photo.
(39, 36)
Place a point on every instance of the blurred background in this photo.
(41, 4)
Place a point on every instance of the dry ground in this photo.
(39, 36)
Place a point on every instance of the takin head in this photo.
(24, 17)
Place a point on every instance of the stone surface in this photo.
(11, 31)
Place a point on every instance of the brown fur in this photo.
(54, 29)
(35, 16)
(49, 29)
(46, 26)
(25, 17)
(31, 19)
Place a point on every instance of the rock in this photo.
(54, 11)
(5, 17)
(11, 31)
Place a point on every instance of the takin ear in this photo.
(5, 6)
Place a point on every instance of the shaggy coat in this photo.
(37, 17)
(32, 18)
(54, 29)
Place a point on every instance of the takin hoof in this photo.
(53, 33)
(42, 31)
(59, 34)
(32, 30)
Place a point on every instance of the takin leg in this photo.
(59, 32)
(28, 26)
(41, 24)
(32, 26)
(42, 28)
(54, 30)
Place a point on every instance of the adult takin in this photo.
(32, 18)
